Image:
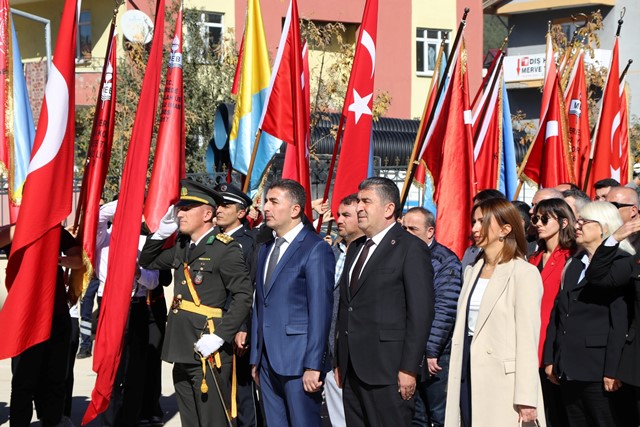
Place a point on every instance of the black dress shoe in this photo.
(83, 353)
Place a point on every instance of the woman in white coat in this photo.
(493, 377)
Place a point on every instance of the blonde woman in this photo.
(493, 378)
(587, 330)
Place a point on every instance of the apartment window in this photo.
(84, 43)
(427, 47)
(212, 27)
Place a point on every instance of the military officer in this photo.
(231, 215)
(212, 297)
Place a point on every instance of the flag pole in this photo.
(411, 170)
(332, 165)
(485, 81)
(626, 68)
(515, 197)
(254, 153)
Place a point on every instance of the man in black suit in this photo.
(385, 314)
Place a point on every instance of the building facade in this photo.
(409, 33)
(530, 19)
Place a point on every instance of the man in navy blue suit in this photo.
(292, 312)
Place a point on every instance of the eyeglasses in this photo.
(542, 218)
(582, 221)
(622, 205)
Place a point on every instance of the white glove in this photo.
(208, 344)
(168, 225)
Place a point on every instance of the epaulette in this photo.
(224, 238)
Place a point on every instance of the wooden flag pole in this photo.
(254, 153)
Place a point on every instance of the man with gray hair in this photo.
(625, 199)
(432, 389)
(576, 199)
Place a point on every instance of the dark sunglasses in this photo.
(544, 219)
(621, 205)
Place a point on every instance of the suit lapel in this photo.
(574, 269)
(495, 288)
(262, 259)
(288, 254)
(382, 250)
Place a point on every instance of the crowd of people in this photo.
(536, 323)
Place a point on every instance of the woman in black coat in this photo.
(587, 329)
(610, 268)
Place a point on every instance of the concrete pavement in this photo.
(84, 381)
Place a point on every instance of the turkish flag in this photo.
(296, 158)
(355, 151)
(25, 319)
(547, 162)
(608, 151)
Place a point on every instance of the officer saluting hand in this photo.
(210, 274)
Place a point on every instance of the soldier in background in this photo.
(231, 216)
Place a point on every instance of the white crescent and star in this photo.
(360, 104)
(370, 45)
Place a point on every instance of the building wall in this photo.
(393, 64)
(443, 18)
(398, 20)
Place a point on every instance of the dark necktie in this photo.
(273, 261)
(355, 274)
(192, 246)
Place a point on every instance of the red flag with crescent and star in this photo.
(609, 150)
(25, 318)
(355, 153)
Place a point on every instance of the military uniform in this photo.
(249, 414)
(218, 273)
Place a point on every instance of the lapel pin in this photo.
(393, 242)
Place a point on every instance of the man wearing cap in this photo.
(212, 297)
(230, 215)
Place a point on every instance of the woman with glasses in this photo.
(493, 376)
(587, 328)
(555, 226)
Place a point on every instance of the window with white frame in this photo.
(84, 43)
(212, 28)
(427, 46)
